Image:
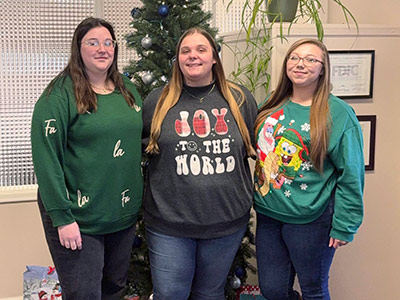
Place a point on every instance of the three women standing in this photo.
(198, 132)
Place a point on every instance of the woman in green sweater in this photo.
(86, 147)
(309, 177)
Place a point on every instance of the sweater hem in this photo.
(195, 230)
(302, 219)
(106, 228)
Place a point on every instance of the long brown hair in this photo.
(319, 112)
(86, 99)
(171, 93)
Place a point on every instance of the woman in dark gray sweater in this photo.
(198, 133)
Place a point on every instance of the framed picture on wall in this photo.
(368, 127)
(352, 73)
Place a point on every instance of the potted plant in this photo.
(284, 9)
(258, 19)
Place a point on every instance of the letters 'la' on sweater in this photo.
(289, 189)
(88, 165)
(200, 185)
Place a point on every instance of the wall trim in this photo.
(18, 194)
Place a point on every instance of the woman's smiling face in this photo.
(196, 60)
(302, 73)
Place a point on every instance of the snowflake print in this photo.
(281, 130)
(306, 166)
(305, 127)
(288, 181)
(287, 193)
(303, 186)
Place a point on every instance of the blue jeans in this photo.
(183, 267)
(97, 272)
(284, 250)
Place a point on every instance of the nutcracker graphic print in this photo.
(281, 154)
(204, 145)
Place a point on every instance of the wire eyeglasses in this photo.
(95, 43)
(308, 61)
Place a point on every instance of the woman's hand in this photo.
(70, 236)
(335, 243)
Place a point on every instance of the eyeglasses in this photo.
(95, 43)
(308, 61)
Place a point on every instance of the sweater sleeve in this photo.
(49, 139)
(149, 104)
(347, 156)
(249, 113)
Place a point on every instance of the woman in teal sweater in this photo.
(309, 177)
(86, 147)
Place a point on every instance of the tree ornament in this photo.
(147, 78)
(136, 12)
(235, 282)
(146, 42)
(127, 74)
(239, 272)
(163, 10)
(164, 78)
(137, 242)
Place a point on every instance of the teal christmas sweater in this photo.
(289, 189)
(88, 166)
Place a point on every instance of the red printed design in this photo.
(182, 127)
(220, 127)
(201, 123)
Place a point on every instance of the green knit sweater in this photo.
(88, 165)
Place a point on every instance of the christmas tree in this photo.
(156, 29)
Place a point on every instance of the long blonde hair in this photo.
(319, 113)
(171, 93)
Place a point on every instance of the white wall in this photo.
(366, 11)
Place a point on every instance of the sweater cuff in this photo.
(341, 235)
(61, 217)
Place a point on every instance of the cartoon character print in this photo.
(292, 151)
(280, 154)
(267, 160)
